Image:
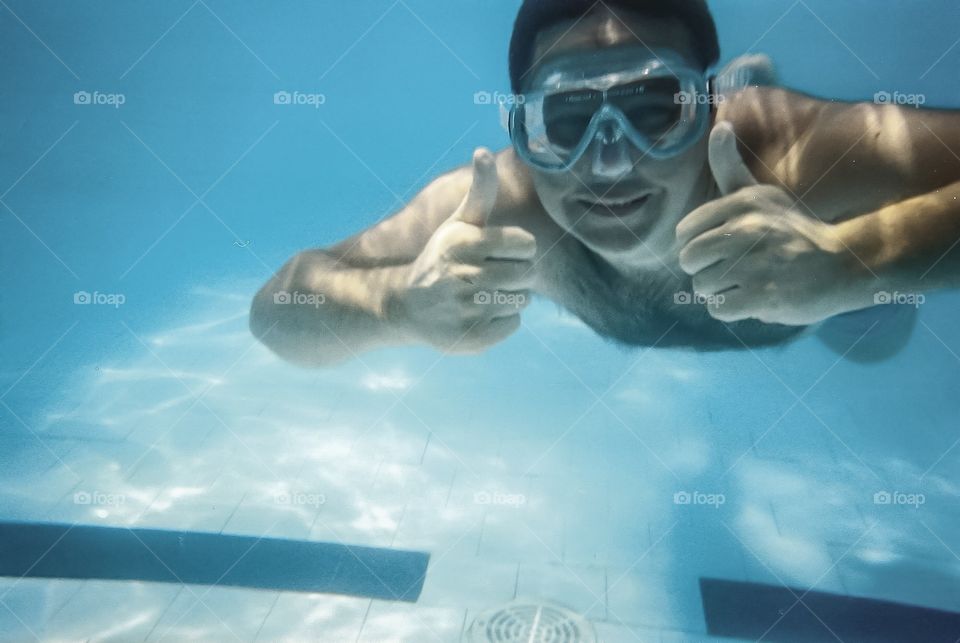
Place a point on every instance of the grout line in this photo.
(70, 598)
(230, 517)
(363, 623)
(483, 524)
(425, 447)
(164, 612)
(776, 522)
(450, 488)
(463, 626)
(267, 616)
(403, 514)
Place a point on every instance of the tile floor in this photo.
(555, 467)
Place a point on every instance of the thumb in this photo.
(729, 170)
(478, 204)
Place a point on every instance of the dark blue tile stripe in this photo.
(205, 558)
(751, 610)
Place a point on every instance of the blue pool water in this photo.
(554, 467)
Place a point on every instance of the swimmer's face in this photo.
(628, 215)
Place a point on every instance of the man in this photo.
(657, 212)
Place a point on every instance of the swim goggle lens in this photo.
(662, 114)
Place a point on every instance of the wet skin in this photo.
(805, 212)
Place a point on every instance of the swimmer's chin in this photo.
(645, 256)
(640, 263)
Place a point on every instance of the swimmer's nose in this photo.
(611, 156)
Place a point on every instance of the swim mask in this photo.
(655, 100)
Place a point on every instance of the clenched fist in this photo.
(754, 254)
(467, 287)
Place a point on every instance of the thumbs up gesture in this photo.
(753, 254)
(466, 289)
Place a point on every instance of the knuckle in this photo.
(700, 284)
(726, 316)
(463, 275)
(752, 223)
(771, 192)
(522, 237)
(686, 258)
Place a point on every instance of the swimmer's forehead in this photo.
(605, 28)
(599, 62)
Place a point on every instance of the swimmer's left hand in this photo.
(753, 254)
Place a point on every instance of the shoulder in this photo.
(769, 122)
(767, 111)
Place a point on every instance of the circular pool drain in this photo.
(525, 622)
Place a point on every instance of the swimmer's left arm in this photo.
(848, 200)
(896, 171)
(911, 246)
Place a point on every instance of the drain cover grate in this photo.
(530, 623)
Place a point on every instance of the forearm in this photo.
(318, 312)
(911, 246)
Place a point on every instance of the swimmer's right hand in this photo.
(465, 291)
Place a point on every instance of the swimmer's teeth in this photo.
(618, 204)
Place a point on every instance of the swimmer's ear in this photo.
(478, 204)
(729, 170)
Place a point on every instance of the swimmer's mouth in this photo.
(617, 206)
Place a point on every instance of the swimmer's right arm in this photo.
(408, 280)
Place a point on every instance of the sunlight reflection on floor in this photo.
(556, 466)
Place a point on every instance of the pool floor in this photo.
(555, 468)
